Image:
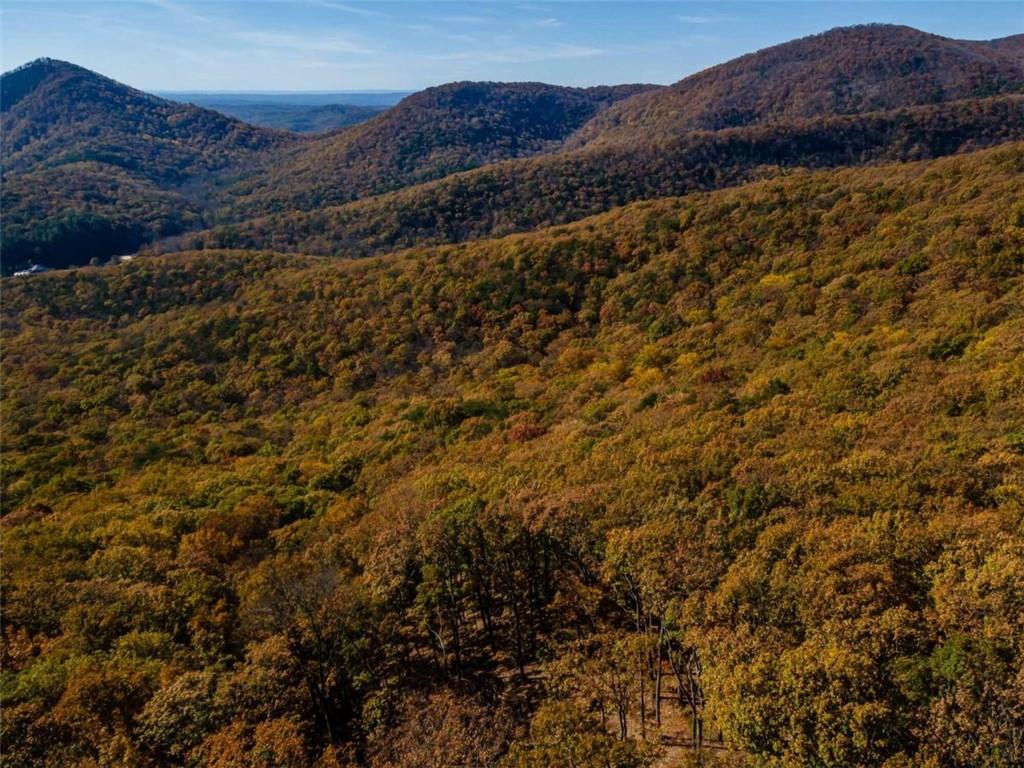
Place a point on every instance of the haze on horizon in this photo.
(322, 45)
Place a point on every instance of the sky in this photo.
(323, 45)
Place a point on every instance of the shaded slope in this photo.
(843, 71)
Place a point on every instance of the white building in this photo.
(35, 269)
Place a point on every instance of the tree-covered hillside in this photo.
(848, 70)
(440, 131)
(58, 114)
(428, 135)
(557, 188)
(93, 168)
(759, 450)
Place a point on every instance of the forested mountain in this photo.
(843, 71)
(428, 135)
(56, 113)
(565, 186)
(758, 449)
(724, 449)
(92, 167)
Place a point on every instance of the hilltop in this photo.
(55, 113)
(844, 71)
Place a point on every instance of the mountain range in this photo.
(890, 92)
(519, 425)
(841, 72)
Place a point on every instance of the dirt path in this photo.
(675, 734)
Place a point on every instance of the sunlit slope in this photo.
(844, 71)
(431, 134)
(786, 415)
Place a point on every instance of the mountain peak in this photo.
(43, 62)
(43, 67)
(21, 81)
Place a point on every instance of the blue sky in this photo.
(328, 45)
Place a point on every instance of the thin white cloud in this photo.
(462, 19)
(355, 10)
(704, 19)
(302, 42)
(464, 39)
(547, 23)
(522, 54)
(181, 10)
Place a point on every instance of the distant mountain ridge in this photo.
(297, 117)
(294, 98)
(55, 113)
(298, 111)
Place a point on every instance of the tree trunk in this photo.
(516, 619)
(453, 612)
(643, 696)
(641, 667)
(657, 675)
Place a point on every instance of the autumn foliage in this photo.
(742, 469)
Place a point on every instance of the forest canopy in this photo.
(745, 464)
